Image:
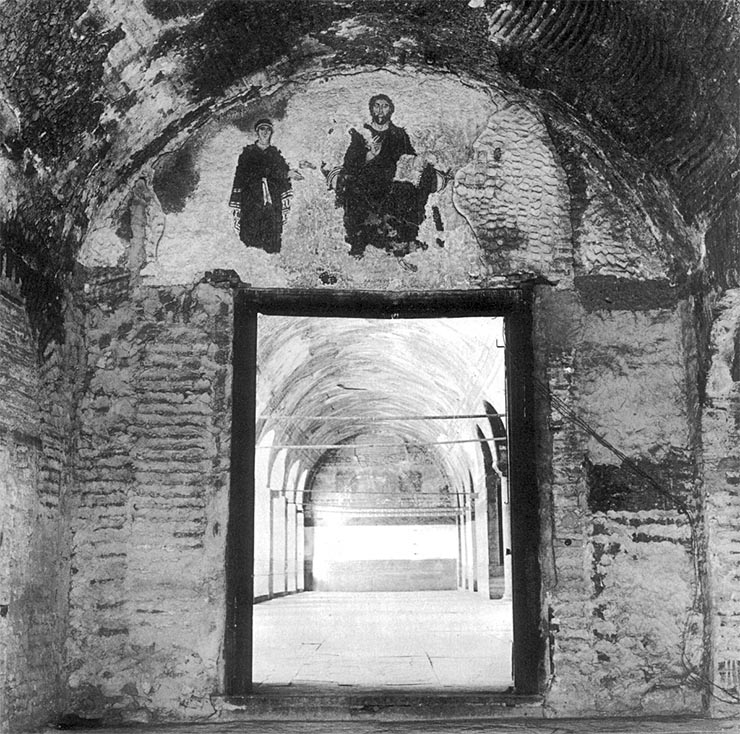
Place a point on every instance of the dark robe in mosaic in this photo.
(261, 183)
(378, 210)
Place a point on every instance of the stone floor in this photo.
(383, 640)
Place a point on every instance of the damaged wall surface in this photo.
(622, 504)
(38, 443)
(584, 151)
(149, 513)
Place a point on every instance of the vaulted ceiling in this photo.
(327, 381)
(90, 91)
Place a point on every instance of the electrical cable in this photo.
(356, 446)
(570, 415)
(379, 419)
(697, 601)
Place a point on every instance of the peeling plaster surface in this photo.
(514, 196)
(115, 459)
(721, 431)
(505, 212)
(37, 432)
(312, 132)
(609, 242)
(624, 374)
(632, 382)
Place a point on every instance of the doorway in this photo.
(434, 528)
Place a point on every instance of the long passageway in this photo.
(379, 640)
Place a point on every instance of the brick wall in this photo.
(36, 440)
(148, 515)
(148, 504)
(721, 440)
(623, 610)
(618, 408)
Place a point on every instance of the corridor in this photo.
(383, 640)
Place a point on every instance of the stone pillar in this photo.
(262, 522)
(277, 553)
(481, 516)
(290, 547)
(469, 543)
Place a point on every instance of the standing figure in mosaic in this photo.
(379, 209)
(260, 195)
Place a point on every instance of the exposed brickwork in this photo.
(60, 94)
(514, 195)
(36, 446)
(644, 622)
(620, 568)
(19, 376)
(721, 438)
(148, 515)
(634, 182)
(630, 44)
(619, 228)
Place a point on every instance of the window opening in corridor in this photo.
(382, 544)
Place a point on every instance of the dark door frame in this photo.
(514, 304)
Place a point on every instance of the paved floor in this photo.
(384, 640)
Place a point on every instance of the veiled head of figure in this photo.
(264, 131)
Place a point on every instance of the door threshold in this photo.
(320, 704)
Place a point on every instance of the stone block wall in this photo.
(36, 443)
(149, 509)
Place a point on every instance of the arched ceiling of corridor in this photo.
(334, 380)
